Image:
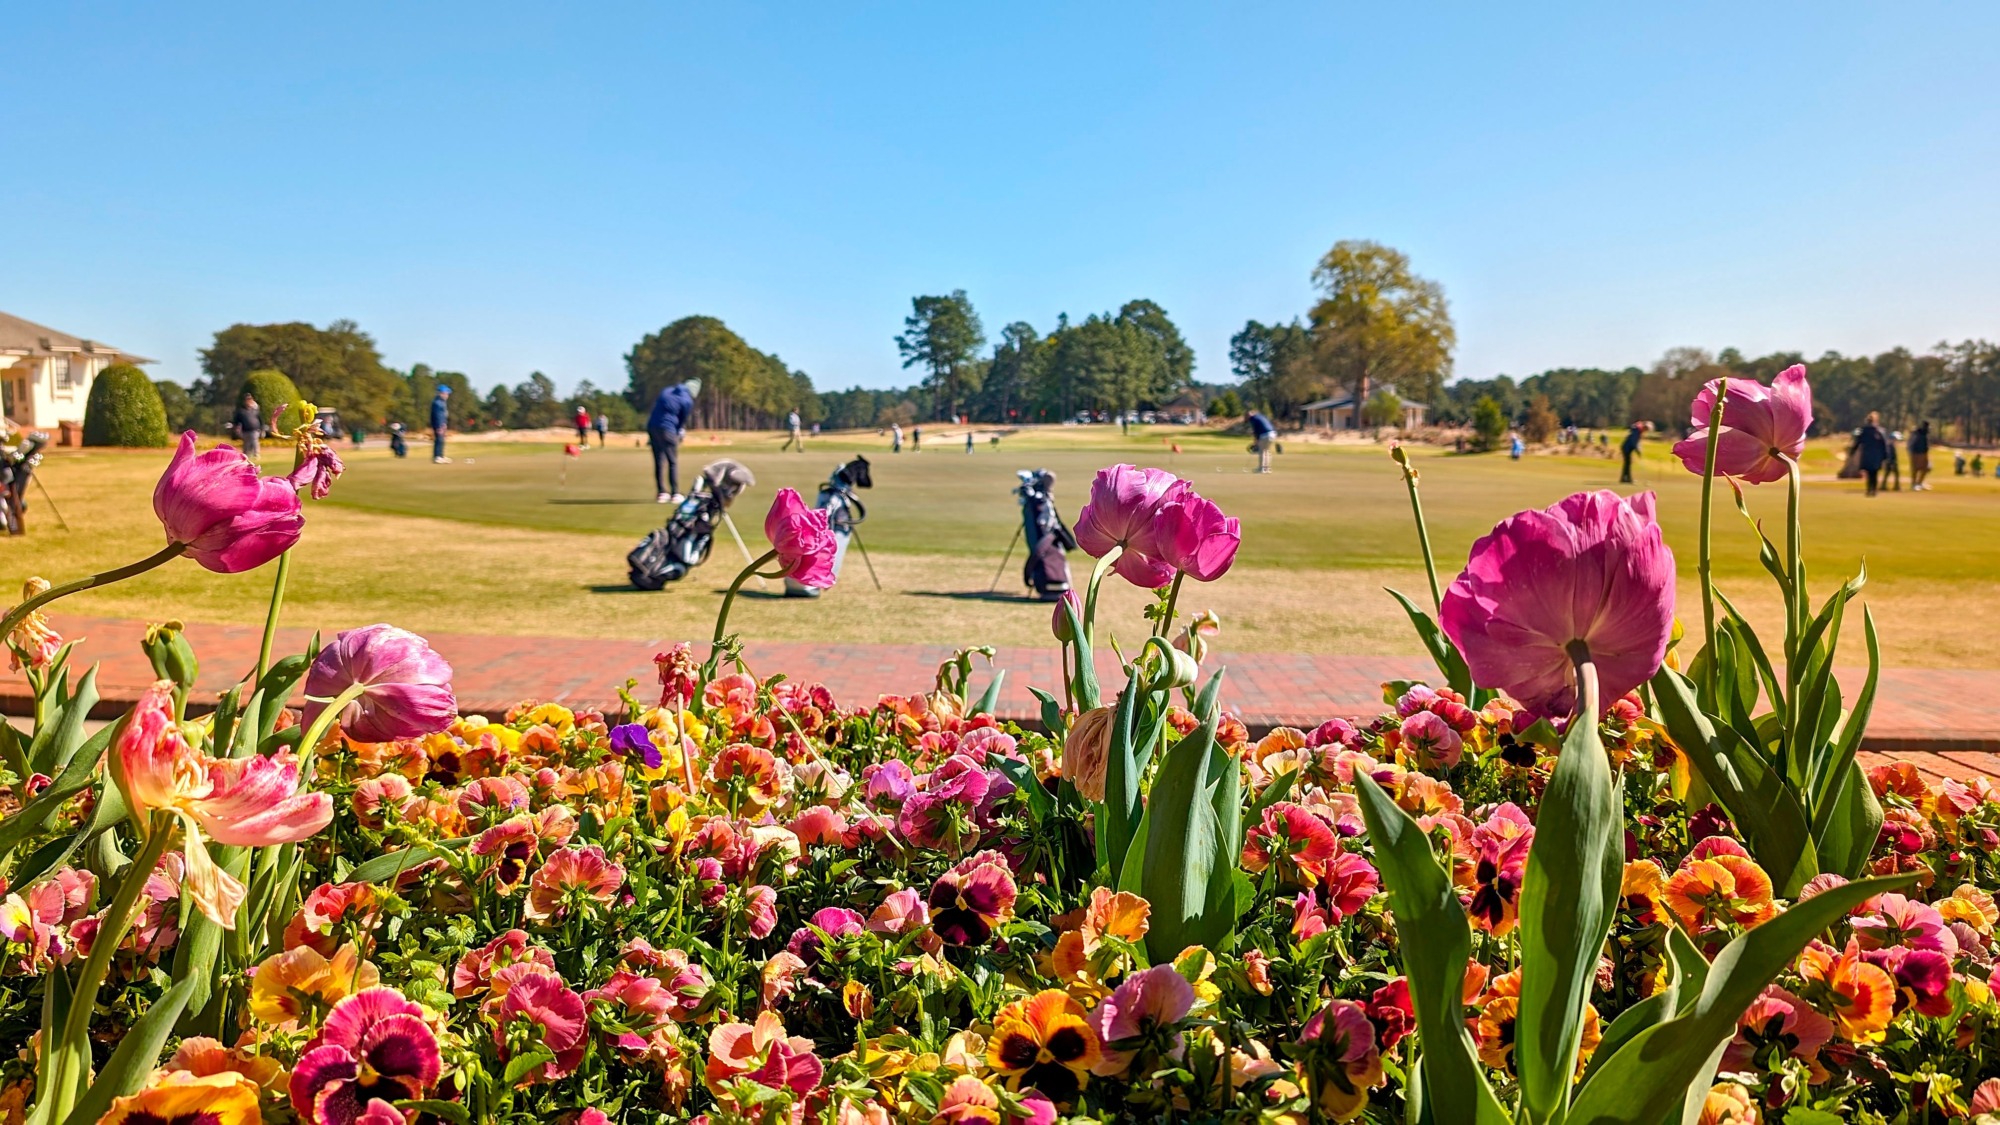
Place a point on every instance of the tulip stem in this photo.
(728, 600)
(1586, 685)
(325, 719)
(1173, 595)
(20, 612)
(271, 616)
(1097, 574)
(74, 1046)
(1707, 508)
(1423, 530)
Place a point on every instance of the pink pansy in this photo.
(1299, 842)
(1761, 427)
(229, 518)
(799, 534)
(253, 801)
(1777, 1023)
(1123, 511)
(1148, 1002)
(1193, 536)
(1350, 882)
(1923, 977)
(572, 878)
(834, 921)
(760, 909)
(1893, 919)
(972, 898)
(475, 970)
(405, 685)
(1589, 578)
(1985, 1098)
(375, 1048)
(762, 1053)
(539, 1001)
(820, 824)
(1431, 741)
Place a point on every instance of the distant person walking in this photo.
(249, 425)
(916, 439)
(672, 410)
(1263, 435)
(1634, 434)
(440, 421)
(896, 437)
(795, 440)
(1920, 456)
(1873, 446)
(1514, 446)
(582, 426)
(968, 443)
(603, 424)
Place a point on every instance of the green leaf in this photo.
(1085, 671)
(519, 1066)
(60, 738)
(13, 751)
(1833, 764)
(138, 1053)
(1119, 812)
(1277, 790)
(1436, 944)
(1853, 823)
(451, 1111)
(1767, 552)
(1184, 845)
(990, 698)
(392, 864)
(1450, 662)
(1569, 899)
(1052, 714)
(1649, 1077)
(1747, 636)
(1033, 793)
(78, 775)
(1761, 806)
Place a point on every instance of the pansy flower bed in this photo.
(1602, 869)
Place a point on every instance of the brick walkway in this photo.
(1947, 721)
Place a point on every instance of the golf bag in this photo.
(843, 511)
(397, 444)
(1049, 541)
(667, 555)
(17, 468)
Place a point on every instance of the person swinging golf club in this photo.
(673, 409)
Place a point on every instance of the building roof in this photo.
(1346, 401)
(25, 337)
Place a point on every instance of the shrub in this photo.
(182, 413)
(125, 409)
(1383, 408)
(1542, 423)
(1488, 423)
(270, 387)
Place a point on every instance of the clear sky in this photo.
(496, 188)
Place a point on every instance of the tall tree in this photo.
(1011, 372)
(943, 335)
(1378, 322)
(1276, 367)
(1176, 359)
(336, 366)
(741, 386)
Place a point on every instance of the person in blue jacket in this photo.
(1263, 435)
(440, 419)
(672, 411)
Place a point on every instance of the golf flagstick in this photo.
(741, 546)
(856, 534)
(1002, 569)
(53, 510)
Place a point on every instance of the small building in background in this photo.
(45, 375)
(1338, 413)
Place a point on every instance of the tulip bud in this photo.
(1193, 638)
(1087, 750)
(1071, 602)
(171, 655)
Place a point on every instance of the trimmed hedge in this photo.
(124, 409)
(270, 387)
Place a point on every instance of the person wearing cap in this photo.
(440, 417)
(672, 411)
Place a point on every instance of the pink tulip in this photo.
(1589, 577)
(406, 686)
(253, 801)
(1761, 427)
(799, 534)
(1123, 511)
(1059, 620)
(229, 518)
(1193, 536)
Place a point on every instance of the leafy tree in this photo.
(278, 399)
(1378, 322)
(1275, 364)
(1541, 423)
(500, 407)
(1489, 425)
(1383, 408)
(1175, 358)
(182, 412)
(536, 404)
(943, 335)
(1011, 374)
(336, 366)
(413, 407)
(1228, 404)
(741, 386)
(124, 409)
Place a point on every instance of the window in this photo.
(59, 372)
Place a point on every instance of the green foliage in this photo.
(1378, 322)
(741, 386)
(1489, 425)
(182, 412)
(124, 408)
(943, 335)
(272, 389)
(1383, 408)
(1541, 424)
(1228, 404)
(1275, 364)
(463, 410)
(337, 366)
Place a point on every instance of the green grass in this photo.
(498, 542)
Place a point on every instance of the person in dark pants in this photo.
(1874, 447)
(603, 423)
(1920, 456)
(1635, 434)
(1263, 435)
(249, 424)
(440, 421)
(664, 426)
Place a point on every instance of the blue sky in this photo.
(497, 188)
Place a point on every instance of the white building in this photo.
(45, 375)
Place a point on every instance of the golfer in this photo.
(1635, 434)
(440, 418)
(1920, 456)
(1263, 435)
(249, 423)
(582, 426)
(1874, 447)
(792, 424)
(896, 438)
(672, 411)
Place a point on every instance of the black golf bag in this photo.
(1049, 540)
(667, 555)
(17, 469)
(843, 511)
(397, 444)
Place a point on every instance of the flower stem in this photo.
(326, 719)
(1173, 595)
(74, 1046)
(1423, 529)
(20, 612)
(271, 616)
(729, 599)
(1707, 508)
(1097, 574)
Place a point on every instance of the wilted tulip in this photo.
(400, 687)
(1762, 427)
(1087, 752)
(227, 517)
(800, 537)
(1588, 578)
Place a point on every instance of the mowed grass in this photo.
(515, 538)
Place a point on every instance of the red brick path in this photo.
(1947, 721)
